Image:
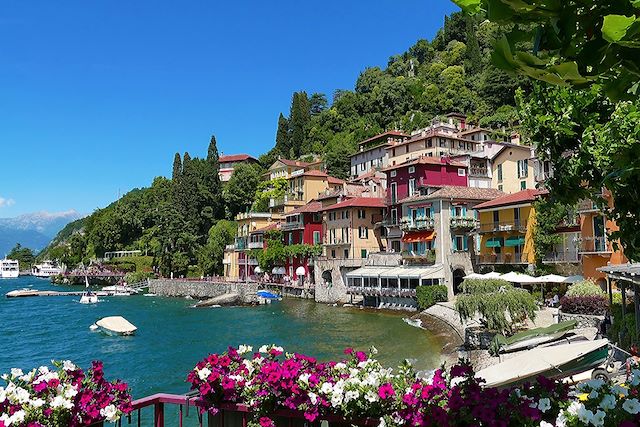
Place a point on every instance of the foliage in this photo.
(24, 256)
(302, 250)
(549, 215)
(592, 304)
(568, 42)
(211, 255)
(623, 329)
(497, 302)
(240, 190)
(138, 277)
(138, 263)
(429, 295)
(585, 288)
(267, 190)
(591, 144)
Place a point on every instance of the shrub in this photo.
(137, 277)
(431, 294)
(591, 304)
(584, 288)
(483, 286)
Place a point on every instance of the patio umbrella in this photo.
(492, 275)
(574, 279)
(474, 276)
(519, 278)
(257, 270)
(552, 278)
(300, 271)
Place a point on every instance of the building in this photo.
(283, 168)
(596, 249)
(513, 167)
(352, 228)
(304, 186)
(236, 256)
(506, 229)
(479, 166)
(229, 162)
(302, 226)
(372, 153)
(406, 179)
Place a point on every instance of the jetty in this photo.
(23, 293)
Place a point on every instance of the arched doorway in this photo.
(458, 278)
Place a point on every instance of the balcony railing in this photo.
(382, 292)
(503, 226)
(256, 245)
(586, 205)
(293, 225)
(558, 257)
(336, 242)
(501, 259)
(478, 172)
(464, 222)
(391, 222)
(424, 223)
(594, 245)
(413, 258)
(241, 244)
(230, 248)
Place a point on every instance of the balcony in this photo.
(463, 223)
(509, 259)
(241, 243)
(477, 172)
(381, 292)
(291, 225)
(502, 226)
(338, 242)
(595, 245)
(230, 248)
(274, 203)
(413, 258)
(586, 206)
(562, 257)
(411, 224)
(256, 245)
(391, 222)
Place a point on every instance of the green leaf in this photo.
(469, 6)
(615, 27)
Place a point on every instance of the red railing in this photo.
(235, 414)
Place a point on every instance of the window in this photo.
(291, 238)
(394, 216)
(412, 186)
(406, 149)
(363, 253)
(394, 192)
(362, 166)
(500, 187)
(462, 172)
(516, 216)
(412, 169)
(362, 214)
(316, 238)
(499, 172)
(443, 142)
(395, 246)
(496, 218)
(393, 174)
(363, 232)
(429, 154)
(346, 253)
(442, 153)
(523, 168)
(523, 185)
(459, 243)
(393, 152)
(333, 253)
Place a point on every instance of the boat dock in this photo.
(23, 293)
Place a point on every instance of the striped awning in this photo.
(514, 241)
(419, 236)
(494, 242)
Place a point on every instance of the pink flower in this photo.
(385, 391)
(266, 422)
(361, 356)
(348, 350)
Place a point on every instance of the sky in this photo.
(97, 97)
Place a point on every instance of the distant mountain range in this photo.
(33, 230)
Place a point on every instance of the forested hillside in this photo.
(173, 220)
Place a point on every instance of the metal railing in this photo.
(594, 245)
(464, 222)
(502, 259)
(291, 225)
(256, 245)
(383, 292)
(569, 256)
(423, 223)
(586, 205)
(518, 225)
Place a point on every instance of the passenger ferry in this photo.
(46, 269)
(9, 268)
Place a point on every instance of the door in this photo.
(599, 234)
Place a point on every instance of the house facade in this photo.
(245, 241)
(302, 226)
(228, 163)
(302, 187)
(513, 168)
(372, 153)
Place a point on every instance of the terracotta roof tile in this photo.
(358, 202)
(310, 207)
(524, 196)
(458, 192)
(426, 160)
(297, 163)
(235, 158)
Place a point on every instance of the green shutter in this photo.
(514, 241)
(454, 244)
(494, 242)
(465, 243)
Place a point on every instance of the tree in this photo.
(241, 189)
(298, 121)
(317, 103)
(212, 183)
(24, 256)
(337, 159)
(177, 167)
(211, 255)
(282, 136)
(549, 216)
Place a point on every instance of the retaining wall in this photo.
(201, 290)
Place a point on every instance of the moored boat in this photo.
(117, 325)
(45, 269)
(532, 338)
(9, 268)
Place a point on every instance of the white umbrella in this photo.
(257, 270)
(492, 275)
(274, 270)
(574, 279)
(300, 271)
(551, 278)
(281, 270)
(518, 278)
(474, 276)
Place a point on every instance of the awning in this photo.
(514, 241)
(419, 236)
(494, 242)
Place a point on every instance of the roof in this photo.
(433, 134)
(456, 114)
(426, 160)
(384, 134)
(296, 163)
(235, 158)
(626, 272)
(524, 196)
(472, 130)
(358, 202)
(272, 226)
(310, 207)
(457, 192)
(318, 173)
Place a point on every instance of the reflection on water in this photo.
(172, 337)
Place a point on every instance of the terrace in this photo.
(420, 223)
(493, 227)
(460, 222)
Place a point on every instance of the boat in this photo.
(88, 297)
(531, 338)
(555, 362)
(9, 268)
(24, 292)
(120, 290)
(117, 325)
(46, 269)
(268, 295)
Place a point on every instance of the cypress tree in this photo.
(213, 179)
(212, 152)
(299, 120)
(177, 167)
(282, 135)
(473, 56)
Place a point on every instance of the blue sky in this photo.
(96, 97)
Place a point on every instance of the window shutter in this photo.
(453, 211)
(465, 243)
(431, 212)
(464, 211)
(454, 243)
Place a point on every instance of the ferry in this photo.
(9, 268)
(46, 269)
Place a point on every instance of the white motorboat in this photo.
(46, 269)
(9, 268)
(117, 325)
(24, 292)
(119, 290)
(88, 297)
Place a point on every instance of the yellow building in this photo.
(350, 228)
(283, 168)
(506, 229)
(303, 187)
(513, 168)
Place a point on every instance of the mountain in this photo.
(33, 230)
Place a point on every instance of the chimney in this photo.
(515, 138)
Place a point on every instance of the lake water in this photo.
(172, 336)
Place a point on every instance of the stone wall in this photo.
(201, 290)
(584, 320)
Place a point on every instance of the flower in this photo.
(545, 424)
(598, 418)
(619, 390)
(632, 406)
(67, 365)
(204, 373)
(263, 349)
(244, 349)
(15, 372)
(110, 412)
(266, 422)
(584, 415)
(574, 408)
(545, 404)
(608, 402)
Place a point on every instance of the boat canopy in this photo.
(431, 272)
(117, 324)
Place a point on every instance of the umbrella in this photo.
(274, 270)
(551, 278)
(493, 275)
(300, 271)
(519, 278)
(474, 276)
(257, 270)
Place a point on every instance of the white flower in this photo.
(249, 366)
(584, 415)
(336, 399)
(204, 373)
(561, 421)
(3, 394)
(278, 348)
(16, 372)
(16, 418)
(313, 398)
(594, 394)
(363, 364)
(326, 388)
(382, 422)
(591, 384)
(5, 377)
(61, 402)
(110, 413)
(608, 402)
(340, 365)
(263, 349)
(598, 418)
(70, 392)
(635, 379)
(21, 395)
(68, 365)
(36, 403)
(455, 381)
(5, 419)
(304, 378)
(632, 406)
(545, 424)
(574, 408)
(351, 395)
(43, 370)
(618, 390)
(244, 349)
(371, 396)
(373, 350)
(545, 404)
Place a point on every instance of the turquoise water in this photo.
(172, 336)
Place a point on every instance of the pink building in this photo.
(407, 179)
(228, 163)
(302, 226)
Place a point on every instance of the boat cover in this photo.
(117, 324)
(537, 361)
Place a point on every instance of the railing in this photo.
(479, 172)
(230, 248)
(337, 242)
(256, 245)
(229, 414)
(586, 205)
(464, 222)
(569, 256)
(412, 258)
(594, 245)
(382, 292)
(424, 223)
(503, 226)
(501, 259)
(292, 225)
(391, 222)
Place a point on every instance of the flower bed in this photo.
(64, 396)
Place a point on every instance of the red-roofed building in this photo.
(372, 153)
(302, 226)
(304, 185)
(229, 162)
(352, 227)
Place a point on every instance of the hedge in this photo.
(428, 295)
(593, 304)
